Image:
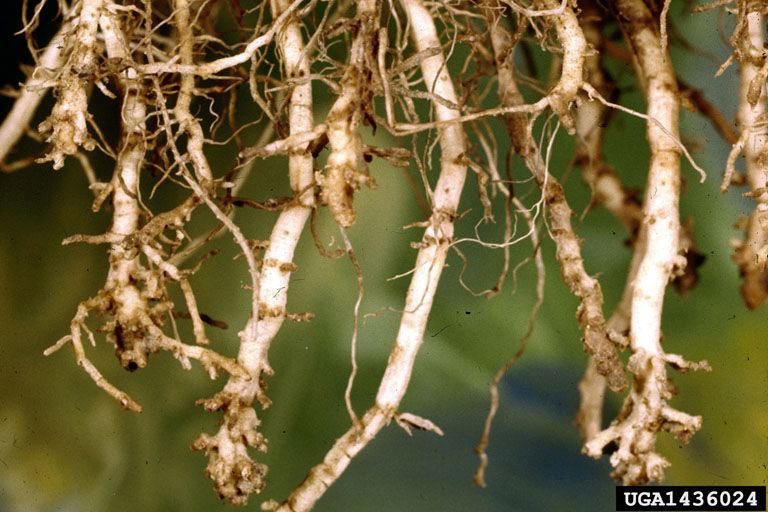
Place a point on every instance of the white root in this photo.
(236, 475)
(645, 411)
(421, 292)
(752, 254)
(68, 122)
(33, 91)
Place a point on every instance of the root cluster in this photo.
(437, 76)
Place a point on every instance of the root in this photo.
(234, 473)
(645, 412)
(480, 449)
(427, 270)
(591, 321)
(751, 255)
(67, 125)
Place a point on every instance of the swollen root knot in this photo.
(645, 413)
(67, 125)
(235, 475)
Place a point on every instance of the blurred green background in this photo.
(66, 446)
